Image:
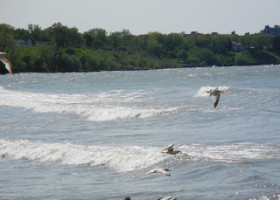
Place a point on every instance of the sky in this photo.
(144, 16)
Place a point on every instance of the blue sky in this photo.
(143, 16)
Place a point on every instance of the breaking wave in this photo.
(121, 159)
(105, 106)
(131, 158)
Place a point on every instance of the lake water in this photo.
(95, 135)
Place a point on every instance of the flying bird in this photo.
(7, 63)
(171, 149)
(216, 93)
(167, 198)
(159, 171)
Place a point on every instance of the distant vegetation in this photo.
(59, 48)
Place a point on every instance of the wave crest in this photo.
(131, 158)
(122, 159)
(108, 106)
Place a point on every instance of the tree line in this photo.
(59, 48)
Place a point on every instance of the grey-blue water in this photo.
(95, 135)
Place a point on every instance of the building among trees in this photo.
(271, 30)
(237, 47)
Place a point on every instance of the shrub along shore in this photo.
(59, 48)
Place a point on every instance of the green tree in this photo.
(203, 41)
(173, 41)
(154, 47)
(35, 32)
(155, 44)
(276, 44)
(120, 39)
(7, 42)
(183, 55)
(201, 57)
(64, 36)
(220, 44)
(258, 41)
(69, 63)
(21, 33)
(243, 58)
(95, 38)
(262, 41)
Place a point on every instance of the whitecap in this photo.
(119, 158)
(104, 106)
(133, 158)
(232, 153)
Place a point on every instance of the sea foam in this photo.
(131, 158)
(104, 106)
(121, 159)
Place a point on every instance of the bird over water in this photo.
(171, 149)
(216, 93)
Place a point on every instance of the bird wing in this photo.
(167, 198)
(151, 171)
(162, 172)
(216, 101)
(158, 171)
(168, 148)
(175, 149)
(7, 64)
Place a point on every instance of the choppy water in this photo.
(95, 135)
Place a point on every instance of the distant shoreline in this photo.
(132, 70)
(84, 60)
(62, 49)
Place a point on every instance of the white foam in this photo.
(131, 158)
(121, 159)
(272, 197)
(195, 75)
(203, 91)
(105, 106)
(233, 153)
